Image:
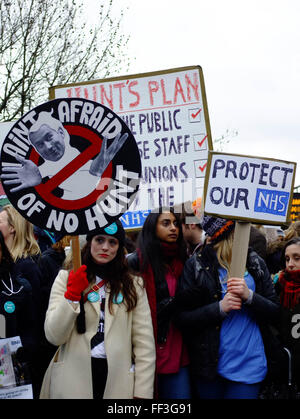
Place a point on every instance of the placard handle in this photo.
(239, 249)
(2, 326)
(76, 253)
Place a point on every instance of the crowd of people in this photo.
(155, 318)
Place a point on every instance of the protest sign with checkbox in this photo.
(200, 167)
(200, 142)
(195, 115)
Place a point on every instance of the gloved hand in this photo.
(77, 283)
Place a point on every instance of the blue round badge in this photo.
(118, 300)
(93, 297)
(111, 229)
(9, 307)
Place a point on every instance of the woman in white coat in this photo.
(100, 318)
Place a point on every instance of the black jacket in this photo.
(50, 262)
(28, 268)
(200, 319)
(289, 332)
(21, 320)
(258, 242)
(165, 307)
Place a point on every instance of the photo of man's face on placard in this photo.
(47, 136)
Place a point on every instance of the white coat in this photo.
(128, 339)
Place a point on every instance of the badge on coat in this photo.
(9, 307)
(119, 299)
(93, 297)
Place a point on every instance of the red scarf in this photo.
(290, 293)
(171, 255)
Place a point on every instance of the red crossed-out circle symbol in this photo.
(45, 189)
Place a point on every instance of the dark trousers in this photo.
(175, 386)
(99, 376)
(221, 388)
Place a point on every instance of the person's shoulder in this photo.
(27, 264)
(254, 257)
(257, 264)
(52, 254)
(63, 273)
(139, 283)
(201, 256)
(191, 261)
(133, 261)
(137, 279)
(61, 278)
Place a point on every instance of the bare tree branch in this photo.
(45, 43)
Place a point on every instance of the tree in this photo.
(220, 143)
(45, 43)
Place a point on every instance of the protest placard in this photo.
(70, 166)
(168, 115)
(247, 189)
(4, 129)
(15, 380)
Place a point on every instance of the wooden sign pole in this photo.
(76, 253)
(240, 249)
(2, 327)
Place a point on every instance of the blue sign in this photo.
(134, 219)
(271, 202)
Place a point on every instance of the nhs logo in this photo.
(271, 202)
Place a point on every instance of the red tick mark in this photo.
(202, 168)
(202, 141)
(196, 114)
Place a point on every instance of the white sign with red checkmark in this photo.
(200, 142)
(167, 113)
(195, 115)
(200, 168)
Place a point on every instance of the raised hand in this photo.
(106, 154)
(77, 283)
(26, 175)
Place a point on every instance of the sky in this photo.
(249, 52)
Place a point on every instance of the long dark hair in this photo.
(150, 246)
(116, 274)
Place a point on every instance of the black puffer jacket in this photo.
(200, 319)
